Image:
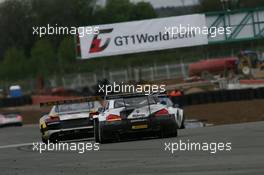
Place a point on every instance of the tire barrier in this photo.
(185, 100)
(16, 101)
(219, 96)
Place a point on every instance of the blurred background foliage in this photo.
(24, 55)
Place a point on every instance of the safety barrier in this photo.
(219, 96)
(185, 100)
(15, 101)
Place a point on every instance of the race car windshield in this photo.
(166, 101)
(76, 107)
(134, 102)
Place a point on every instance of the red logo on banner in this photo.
(96, 42)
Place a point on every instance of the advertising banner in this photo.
(142, 36)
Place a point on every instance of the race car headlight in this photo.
(162, 112)
(113, 117)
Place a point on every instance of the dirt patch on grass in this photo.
(227, 113)
(218, 113)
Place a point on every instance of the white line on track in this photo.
(28, 144)
(15, 145)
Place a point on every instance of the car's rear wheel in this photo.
(44, 140)
(53, 139)
(101, 136)
(165, 133)
(174, 133)
(182, 123)
(19, 124)
(96, 131)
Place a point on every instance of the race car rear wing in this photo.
(71, 101)
(124, 95)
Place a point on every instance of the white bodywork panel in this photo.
(71, 114)
(74, 116)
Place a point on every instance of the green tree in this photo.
(63, 12)
(142, 10)
(122, 11)
(43, 58)
(18, 17)
(250, 3)
(66, 54)
(114, 11)
(209, 5)
(13, 65)
(15, 25)
(118, 10)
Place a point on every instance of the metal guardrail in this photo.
(185, 100)
(17, 101)
(152, 73)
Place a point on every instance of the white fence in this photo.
(153, 73)
(74, 81)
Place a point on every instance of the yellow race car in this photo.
(69, 119)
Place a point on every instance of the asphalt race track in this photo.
(140, 156)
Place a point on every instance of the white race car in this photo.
(133, 114)
(173, 109)
(10, 120)
(68, 120)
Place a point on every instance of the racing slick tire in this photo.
(182, 123)
(96, 131)
(174, 133)
(19, 124)
(165, 134)
(44, 140)
(101, 136)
